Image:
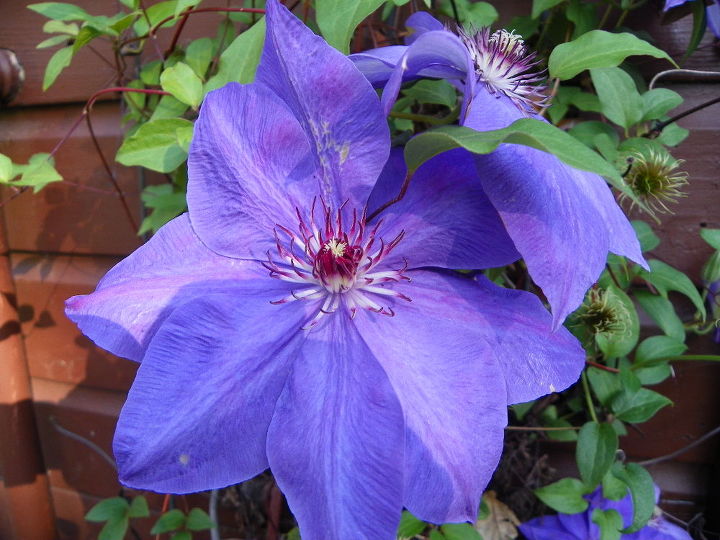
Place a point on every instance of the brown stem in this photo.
(600, 366)
(403, 190)
(682, 450)
(662, 125)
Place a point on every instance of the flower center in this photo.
(337, 265)
(504, 65)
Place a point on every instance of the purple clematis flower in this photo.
(281, 324)
(562, 221)
(712, 11)
(581, 526)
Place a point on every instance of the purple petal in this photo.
(336, 106)
(197, 414)
(419, 23)
(535, 359)
(559, 218)
(335, 444)
(452, 391)
(140, 292)
(249, 166)
(713, 18)
(549, 528)
(377, 64)
(439, 54)
(669, 4)
(447, 218)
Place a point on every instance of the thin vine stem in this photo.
(588, 398)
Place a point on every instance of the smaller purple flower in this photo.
(581, 526)
(563, 221)
(713, 299)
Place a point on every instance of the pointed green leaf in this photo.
(610, 523)
(107, 509)
(658, 102)
(598, 49)
(711, 236)
(460, 531)
(640, 406)
(662, 311)
(540, 6)
(642, 490)
(6, 168)
(526, 131)
(182, 82)
(657, 348)
(666, 278)
(619, 99)
(139, 507)
(155, 145)
(439, 92)
(410, 526)
(59, 61)
(52, 41)
(239, 61)
(115, 528)
(565, 496)
(338, 19)
(182, 5)
(39, 172)
(198, 520)
(169, 521)
(647, 237)
(198, 55)
(595, 452)
(60, 11)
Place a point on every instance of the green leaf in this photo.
(165, 202)
(539, 6)
(198, 520)
(527, 131)
(59, 61)
(619, 99)
(439, 92)
(524, 26)
(639, 406)
(598, 49)
(115, 528)
(587, 132)
(613, 488)
(654, 374)
(436, 535)
(480, 15)
(155, 14)
(460, 531)
(338, 19)
(239, 61)
(60, 11)
(647, 237)
(595, 452)
(169, 521)
(711, 236)
(85, 36)
(182, 82)
(410, 525)
(182, 535)
(198, 55)
(182, 5)
(113, 508)
(293, 534)
(52, 41)
(658, 348)
(6, 168)
(666, 278)
(168, 107)
(619, 343)
(583, 16)
(642, 490)
(658, 101)
(606, 385)
(610, 523)
(150, 73)
(52, 27)
(565, 496)
(39, 172)
(155, 145)
(673, 134)
(139, 507)
(662, 311)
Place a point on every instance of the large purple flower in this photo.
(279, 326)
(580, 526)
(563, 221)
